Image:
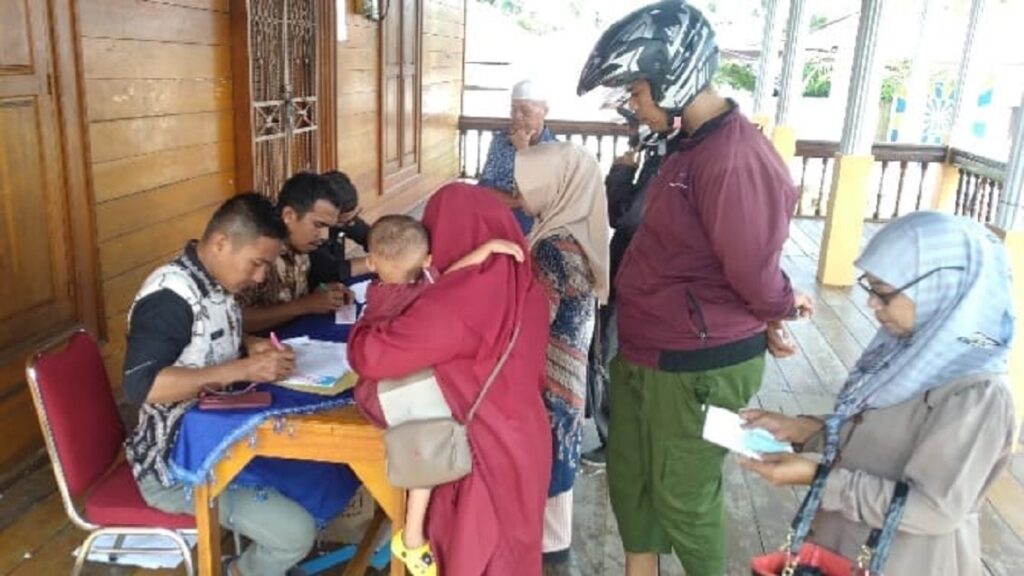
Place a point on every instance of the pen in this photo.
(275, 342)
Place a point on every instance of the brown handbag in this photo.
(427, 453)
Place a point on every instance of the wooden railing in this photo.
(605, 139)
(905, 178)
(979, 184)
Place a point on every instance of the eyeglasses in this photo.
(887, 297)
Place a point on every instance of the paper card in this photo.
(725, 428)
(359, 290)
(346, 314)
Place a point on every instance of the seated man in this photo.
(328, 263)
(308, 206)
(185, 336)
(526, 128)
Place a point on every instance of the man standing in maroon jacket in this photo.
(701, 294)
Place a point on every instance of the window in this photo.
(400, 92)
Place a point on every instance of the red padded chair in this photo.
(84, 438)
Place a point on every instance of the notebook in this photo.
(321, 367)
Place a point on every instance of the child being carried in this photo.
(399, 254)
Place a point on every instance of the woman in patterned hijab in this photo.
(927, 403)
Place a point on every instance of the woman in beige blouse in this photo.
(928, 402)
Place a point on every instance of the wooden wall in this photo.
(157, 92)
(359, 108)
(157, 88)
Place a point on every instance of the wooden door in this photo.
(37, 272)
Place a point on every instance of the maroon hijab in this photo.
(461, 217)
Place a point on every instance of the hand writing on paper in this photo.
(269, 366)
(255, 345)
(327, 298)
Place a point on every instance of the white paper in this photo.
(172, 559)
(318, 363)
(346, 314)
(725, 428)
(360, 291)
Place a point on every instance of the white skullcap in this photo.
(528, 90)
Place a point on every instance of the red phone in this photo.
(250, 399)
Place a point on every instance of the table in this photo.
(341, 436)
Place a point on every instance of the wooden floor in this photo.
(36, 539)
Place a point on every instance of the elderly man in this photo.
(526, 128)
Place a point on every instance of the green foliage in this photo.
(817, 79)
(736, 76)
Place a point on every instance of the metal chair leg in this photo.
(186, 554)
(83, 553)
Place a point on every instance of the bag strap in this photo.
(801, 525)
(876, 551)
(493, 375)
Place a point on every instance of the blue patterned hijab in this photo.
(964, 310)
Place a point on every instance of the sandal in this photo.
(419, 561)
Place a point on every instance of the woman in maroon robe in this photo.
(490, 522)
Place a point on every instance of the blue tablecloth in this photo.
(323, 489)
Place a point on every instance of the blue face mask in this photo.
(762, 442)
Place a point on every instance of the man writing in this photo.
(185, 337)
(309, 207)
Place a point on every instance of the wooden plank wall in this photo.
(359, 105)
(157, 83)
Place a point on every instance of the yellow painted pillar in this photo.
(851, 177)
(784, 139)
(1014, 240)
(945, 197)
(840, 245)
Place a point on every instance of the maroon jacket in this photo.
(702, 274)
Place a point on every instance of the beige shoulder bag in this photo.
(423, 453)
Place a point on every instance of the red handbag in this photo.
(824, 560)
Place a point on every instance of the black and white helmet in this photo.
(670, 44)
